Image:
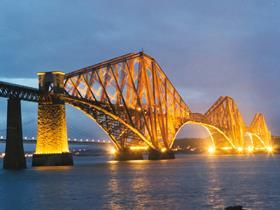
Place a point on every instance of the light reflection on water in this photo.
(189, 182)
(214, 187)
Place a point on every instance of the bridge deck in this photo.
(9, 90)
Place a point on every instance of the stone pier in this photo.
(52, 142)
(127, 154)
(156, 155)
(14, 153)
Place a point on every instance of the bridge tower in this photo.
(259, 127)
(224, 114)
(14, 153)
(52, 142)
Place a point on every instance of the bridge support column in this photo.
(52, 142)
(126, 154)
(14, 153)
(156, 155)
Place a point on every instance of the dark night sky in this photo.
(207, 48)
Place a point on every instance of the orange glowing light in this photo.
(52, 131)
(139, 148)
(250, 149)
(226, 148)
(269, 149)
(163, 150)
(112, 151)
(240, 149)
(211, 150)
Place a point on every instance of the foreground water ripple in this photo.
(189, 182)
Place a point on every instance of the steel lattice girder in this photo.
(131, 98)
(259, 127)
(225, 115)
(9, 90)
(134, 89)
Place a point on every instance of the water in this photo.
(189, 182)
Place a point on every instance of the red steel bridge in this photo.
(134, 102)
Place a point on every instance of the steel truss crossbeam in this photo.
(20, 92)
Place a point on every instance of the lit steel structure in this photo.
(135, 103)
(131, 98)
(259, 132)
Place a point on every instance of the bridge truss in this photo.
(131, 98)
(20, 92)
(135, 103)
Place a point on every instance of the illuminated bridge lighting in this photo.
(211, 150)
(154, 119)
(163, 150)
(250, 149)
(139, 148)
(269, 149)
(240, 149)
(226, 148)
(112, 151)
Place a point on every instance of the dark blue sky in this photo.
(207, 48)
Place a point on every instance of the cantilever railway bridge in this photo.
(134, 102)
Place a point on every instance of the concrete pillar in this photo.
(156, 155)
(14, 153)
(52, 141)
(127, 154)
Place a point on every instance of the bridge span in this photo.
(133, 101)
(71, 142)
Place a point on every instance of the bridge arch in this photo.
(209, 128)
(92, 111)
(258, 143)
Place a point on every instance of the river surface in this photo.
(188, 182)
